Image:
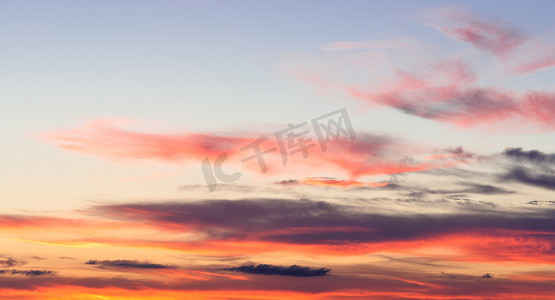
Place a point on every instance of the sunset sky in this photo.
(277, 150)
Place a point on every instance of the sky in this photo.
(277, 150)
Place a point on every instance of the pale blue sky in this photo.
(207, 66)
(62, 61)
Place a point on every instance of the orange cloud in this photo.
(326, 181)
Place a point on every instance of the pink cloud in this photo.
(366, 155)
(446, 86)
(496, 37)
(106, 139)
(448, 91)
(522, 53)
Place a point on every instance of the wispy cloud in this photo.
(493, 36)
(27, 272)
(10, 262)
(252, 227)
(469, 188)
(445, 85)
(370, 154)
(521, 51)
(106, 139)
(308, 222)
(447, 91)
(331, 182)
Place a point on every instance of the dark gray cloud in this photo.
(10, 262)
(468, 188)
(322, 222)
(484, 189)
(530, 177)
(382, 282)
(294, 270)
(452, 276)
(459, 151)
(532, 156)
(287, 182)
(27, 272)
(124, 263)
(472, 105)
(533, 167)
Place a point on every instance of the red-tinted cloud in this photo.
(310, 228)
(453, 87)
(320, 227)
(106, 139)
(366, 155)
(448, 92)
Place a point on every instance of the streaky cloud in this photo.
(530, 177)
(124, 263)
(318, 222)
(368, 154)
(491, 36)
(30, 273)
(10, 262)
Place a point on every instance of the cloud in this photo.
(266, 269)
(530, 177)
(522, 52)
(532, 156)
(288, 182)
(124, 263)
(447, 91)
(105, 138)
(27, 272)
(484, 189)
(492, 36)
(10, 262)
(392, 283)
(470, 188)
(444, 85)
(256, 226)
(457, 152)
(368, 154)
(531, 167)
(307, 222)
(332, 182)
(250, 227)
(487, 275)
